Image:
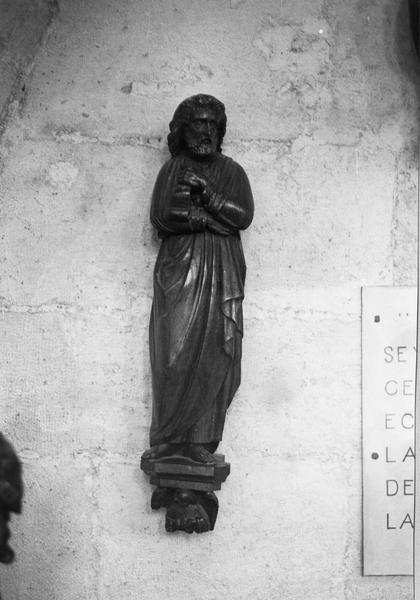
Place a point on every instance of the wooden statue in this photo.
(201, 201)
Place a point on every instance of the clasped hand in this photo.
(190, 187)
(193, 190)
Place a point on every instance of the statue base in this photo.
(186, 489)
(6, 553)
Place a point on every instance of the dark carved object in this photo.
(187, 510)
(185, 488)
(201, 201)
(11, 492)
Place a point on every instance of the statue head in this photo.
(198, 126)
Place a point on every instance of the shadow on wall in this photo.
(402, 54)
(413, 6)
(387, 34)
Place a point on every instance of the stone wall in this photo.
(23, 25)
(322, 114)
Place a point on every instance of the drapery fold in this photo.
(196, 322)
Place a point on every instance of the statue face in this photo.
(201, 133)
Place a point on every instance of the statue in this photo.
(11, 492)
(201, 201)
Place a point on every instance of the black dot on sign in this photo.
(377, 318)
(375, 455)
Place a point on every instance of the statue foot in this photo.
(199, 453)
(161, 451)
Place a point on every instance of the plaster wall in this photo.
(322, 114)
(23, 24)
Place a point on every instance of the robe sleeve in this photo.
(232, 205)
(169, 215)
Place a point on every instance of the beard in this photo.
(202, 149)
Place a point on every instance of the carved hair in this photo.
(183, 115)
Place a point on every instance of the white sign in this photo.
(389, 364)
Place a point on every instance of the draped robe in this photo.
(196, 321)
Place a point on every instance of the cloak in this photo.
(196, 321)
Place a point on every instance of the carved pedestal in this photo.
(6, 553)
(11, 492)
(186, 489)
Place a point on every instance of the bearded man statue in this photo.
(201, 201)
